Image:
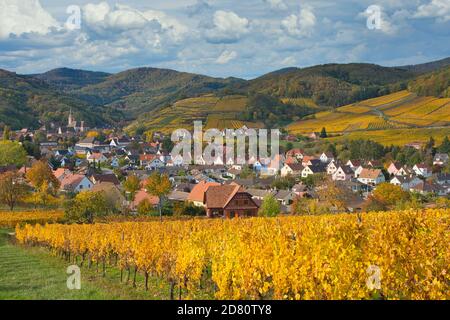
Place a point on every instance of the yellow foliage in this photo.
(309, 257)
(11, 219)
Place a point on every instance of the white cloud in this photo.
(301, 25)
(226, 57)
(277, 4)
(102, 18)
(228, 27)
(24, 16)
(439, 9)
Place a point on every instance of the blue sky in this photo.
(219, 37)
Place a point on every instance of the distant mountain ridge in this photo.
(118, 99)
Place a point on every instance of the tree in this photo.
(42, 178)
(333, 196)
(86, 206)
(323, 133)
(12, 153)
(270, 207)
(6, 133)
(132, 185)
(160, 186)
(389, 194)
(12, 189)
(445, 146)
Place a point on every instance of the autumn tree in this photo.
(12, 153)
(160, 186)
(42, 178)
(132, 185)
(270, 207)
(12, 189)
(389, 194)
(332, 195)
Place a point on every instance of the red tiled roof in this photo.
(198, 192)
(219, 196)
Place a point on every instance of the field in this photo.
(215, 112)
(379, 116)
(393, 255)
(11, 219)
(398, 137)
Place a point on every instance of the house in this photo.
(229, 201)
(291, 160)
(120, 142)
(87, 143)
(142, 195)
(371, 176)
(293, 169)
(75, 183)
(424, 187)
(105, 178)
(353, 164)
(234, 173)
(113, 195)
(375, 164)
(307, 160)
(197, 195)
(394, 168)
(443, 178)
(178, 196)
(155, 164)
(300, 190)
(343, 173)
(285, 197)
(146, 159)
(60, 173)
(358, 171)
(295, 153)
(314, 169)
(96, 157)
(406, 182)
(440, 159)
(314, 135)
(326, 157)
(423, 170)
(332, 167)
(415, 145)
(259, 194)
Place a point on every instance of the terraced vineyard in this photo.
(215, 112)
(400, 110)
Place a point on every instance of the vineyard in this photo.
(11, 219)
(400, 110)
(312, 257)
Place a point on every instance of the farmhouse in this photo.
(229, 201)
(197, 195)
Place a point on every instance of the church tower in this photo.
(71, 120)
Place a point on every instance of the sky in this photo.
(220, 38)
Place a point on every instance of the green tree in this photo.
(132, 185)
(323, 133)
(12, 189)
(445, 146)
(86, 206)
(12, 153)
(160, 186)
(270, 207)
(6, 133)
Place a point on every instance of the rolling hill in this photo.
(382, 116)
(30, 102)
(142, 96)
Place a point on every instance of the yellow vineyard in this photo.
(11, 219)
(214, 112)
(394, 255)
(400, 110)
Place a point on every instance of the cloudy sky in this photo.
(219, 37)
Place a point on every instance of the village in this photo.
(82, 161)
